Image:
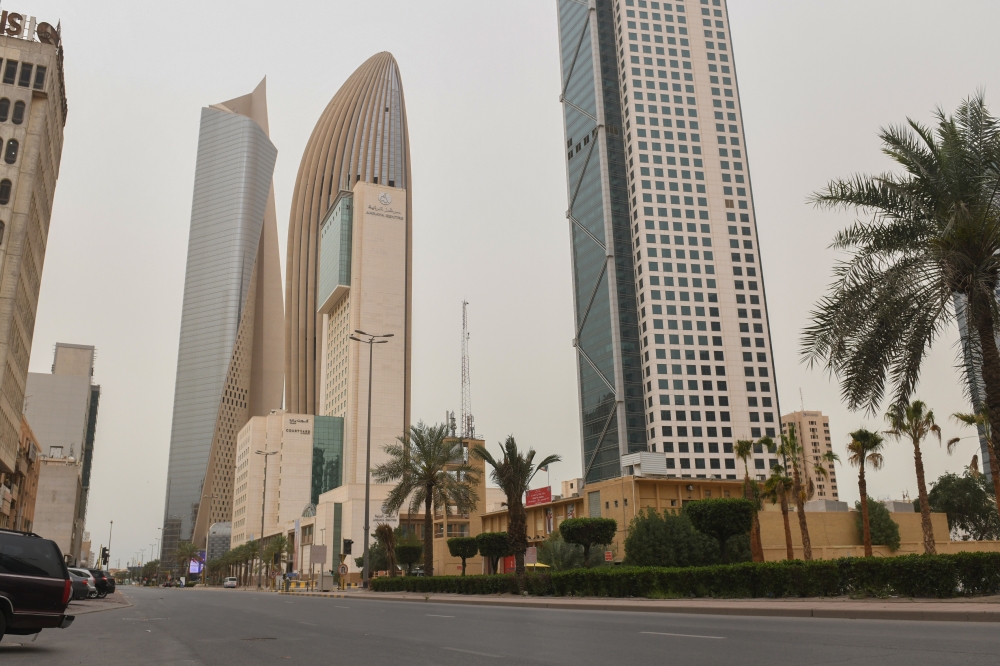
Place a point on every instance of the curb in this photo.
(812, 611)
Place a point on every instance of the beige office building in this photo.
(32, 116)
(303, 455)
(813, 432)
(59, 505)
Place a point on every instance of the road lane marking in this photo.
(481, 654)
(429, 615)
(341, 606)
(661, 633)
(309, 623)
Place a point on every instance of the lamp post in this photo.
(371, 341)
(110, 530)
(263, 494)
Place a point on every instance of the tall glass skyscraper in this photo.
(229, 362)
(674, 351)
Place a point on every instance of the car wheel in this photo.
(3, 625)
(92, 595)
(101, 595)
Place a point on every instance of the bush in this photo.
(667, 540)
(409, 552)
(911, 575)
(721, 518)
(493, 546)
(464, 547)
(884, 530)
(588, 532)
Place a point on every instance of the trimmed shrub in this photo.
(464, 547)
(588, 532)
(408, 553)
(722, 518)
(884, 530)
(667, 540)
(911, 575)
(493, 546)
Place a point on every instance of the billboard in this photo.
(538, 496)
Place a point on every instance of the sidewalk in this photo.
(977, 609)
(85, 606)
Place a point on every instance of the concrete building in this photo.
(32, 116)
(812, 429)
(219, 536)
(59, 508)
(62, 408)
(360, 138)
(672, 334)
(306, 461)
(229, 364)
(19, 489)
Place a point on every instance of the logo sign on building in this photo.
(538, 496)
(14, 24)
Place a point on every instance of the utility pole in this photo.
(467, 425)
(263, 495)
(371, 341)
(110, 530)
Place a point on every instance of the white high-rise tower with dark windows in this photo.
(672, 327)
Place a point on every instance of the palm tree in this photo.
(513, 473)
(743, 450)
(792, 452)
(429, 469)
(385, 534)
(915, 422)
(276, 546)
(865, 449)
(185, 553)
(931, 248)
(251, 552)
(776, 489)
(983, 424)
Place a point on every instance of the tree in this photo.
(969, 503)
(493, 546)
(408, 552)
(667, 540)
(513, 473)
(931, 248)
(884, 530)
(428, 469)
(186, 553)
(385, 536)
(588, 532)
(915, 422)
(721, 518)
(792, 452)
(865, 449)
(984, 425)
(743, 450)
(558, 554)
(464, 547)
(776, 489)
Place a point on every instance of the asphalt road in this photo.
(222, 627)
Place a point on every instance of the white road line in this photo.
(309, 623)
(481, 654)
(341, 606)
(429, 615)
(660, 633)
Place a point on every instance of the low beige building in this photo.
(19, 489)
(59, 505)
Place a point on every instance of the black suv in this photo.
(35, 586)
(105, 584)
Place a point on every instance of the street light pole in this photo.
(110, 530)
(371, 341)
(263, 495)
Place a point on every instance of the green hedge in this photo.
(910, 576)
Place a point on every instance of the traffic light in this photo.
(105, 556)
(347, 546)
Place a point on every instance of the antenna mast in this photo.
(467, 424)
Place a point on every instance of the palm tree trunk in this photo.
(428, 533)
(518, 535)
(756, 548)
(789, 551)
(991, 385)
(865, 527)
(800, 509)
(925, 506)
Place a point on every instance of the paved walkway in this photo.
(84, 606)
(976, 609)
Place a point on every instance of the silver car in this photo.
(91, 582)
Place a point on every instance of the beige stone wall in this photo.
(57, 506)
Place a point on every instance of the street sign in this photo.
(609, 556)
(531, 555)
(342, 570)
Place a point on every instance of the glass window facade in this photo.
(328, 455)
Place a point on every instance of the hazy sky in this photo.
(817, 80)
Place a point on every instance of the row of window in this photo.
(18, 116)
(10, 75)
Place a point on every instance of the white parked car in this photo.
(229, 582)
(91, 581)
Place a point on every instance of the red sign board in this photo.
(609, 556)
(538, 496)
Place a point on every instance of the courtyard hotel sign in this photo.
(13, 24)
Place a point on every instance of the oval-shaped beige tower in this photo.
(361, 136)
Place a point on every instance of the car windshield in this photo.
(30, 556)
